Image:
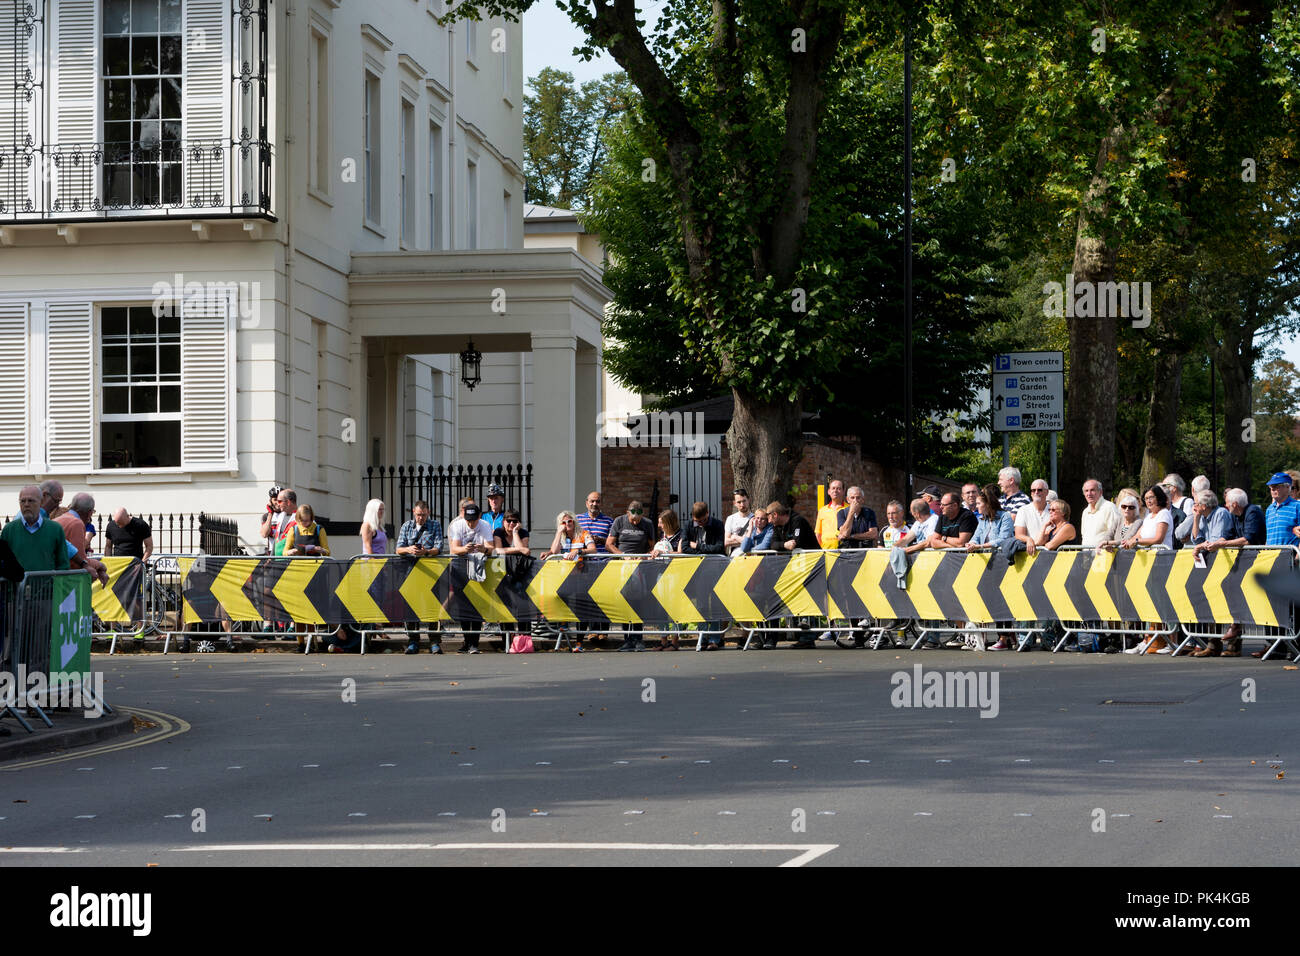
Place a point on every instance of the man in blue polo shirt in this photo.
(1282, 517)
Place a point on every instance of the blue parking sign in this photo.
(1013, 402)
(1013, 421)
(1002, 363)
(1013, 383)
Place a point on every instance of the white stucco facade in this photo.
(325, 278)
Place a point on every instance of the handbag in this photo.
(521, 644)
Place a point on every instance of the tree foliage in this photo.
(564, 134)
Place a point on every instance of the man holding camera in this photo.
(272, 520)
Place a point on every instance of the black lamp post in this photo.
(470, 361)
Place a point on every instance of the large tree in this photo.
(564, 134)
(1063, 113)
(855, 229)
(735, 92)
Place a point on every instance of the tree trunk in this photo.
(765, 443)
(1092, 398)
(1235, 360)
(1162, 425)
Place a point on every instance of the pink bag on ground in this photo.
(521, 644)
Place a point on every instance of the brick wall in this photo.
(630, 473)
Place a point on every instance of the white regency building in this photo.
(241, 242)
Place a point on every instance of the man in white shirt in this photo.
(738, 523)
(470, 537)
(1100, 519)
(1031, 517)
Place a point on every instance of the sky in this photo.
(549, 39)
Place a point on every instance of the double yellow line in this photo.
(168, 726)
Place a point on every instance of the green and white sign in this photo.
(70, 625)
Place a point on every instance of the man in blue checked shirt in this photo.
(1282, 517)
(421, 537)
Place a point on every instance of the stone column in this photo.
(555, 470)
(587, 410)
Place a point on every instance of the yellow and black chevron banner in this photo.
(1152, 585)
(120, 601)
(1064, 585)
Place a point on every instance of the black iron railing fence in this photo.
(61, 180)
(178, 533)
(401, 486)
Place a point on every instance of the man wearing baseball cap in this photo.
(1282, 517)
(495, 515)
(471, 539)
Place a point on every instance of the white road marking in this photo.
(234, 768)
(704, 761)
(309, 765)
(447, 813)
(356, 814)
(726, 813)
(40, 849)
(1022, 814)
(173, 816)
(1223, 816)
(633, 813)
(262, 816)
(79, 769)
(388, 765)
(923, 813)
(85, 816)
(807, 852)
(825, 813)
(542, 763)
(464, 765)
(540, 813)
(780, 761)
(1022, 760)
(157, 768)
(943, 760)
(862, 761)
(1117, 815)
(1105, 761)
(616, 762)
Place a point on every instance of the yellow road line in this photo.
(168, 726)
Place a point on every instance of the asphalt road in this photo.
(783, 757)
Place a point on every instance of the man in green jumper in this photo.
(38, 543)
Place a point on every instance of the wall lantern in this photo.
(470, 361)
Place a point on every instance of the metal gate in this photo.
(697, 476)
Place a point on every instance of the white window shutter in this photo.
(74, 75)
(14, 372)
(207, 382)
(69, 410)
(204, 89)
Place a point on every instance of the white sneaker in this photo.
(827, 636)
(1140, 649)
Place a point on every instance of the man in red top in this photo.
(73, 522)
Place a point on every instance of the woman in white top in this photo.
(1158, 524)
(1157, 532)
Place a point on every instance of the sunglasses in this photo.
(513, 521)
(636, 511)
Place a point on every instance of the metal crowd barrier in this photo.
(27, 620)
(163, 603)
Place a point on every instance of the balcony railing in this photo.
(124, 180)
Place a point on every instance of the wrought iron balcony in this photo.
(106, 180)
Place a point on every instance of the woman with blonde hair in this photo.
(374, 540)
